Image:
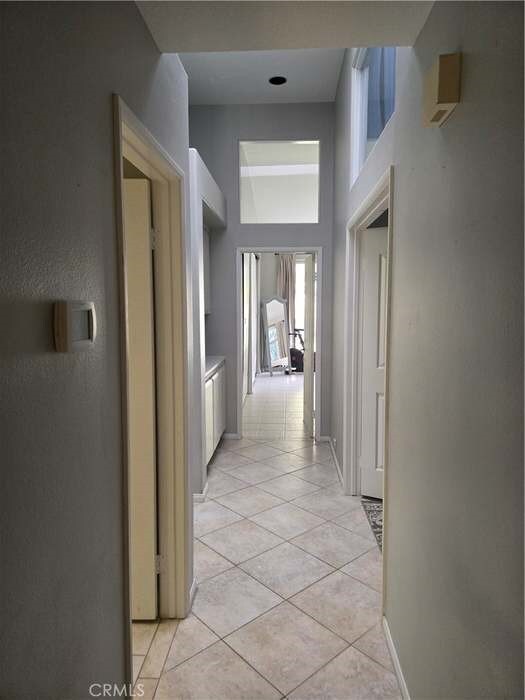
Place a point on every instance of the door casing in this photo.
(309, 335)
(318, 252)
(380, 198)
(133, 141)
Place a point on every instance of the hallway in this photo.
(289, 575)
(275, 409)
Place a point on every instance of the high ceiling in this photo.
(241, 77)
(261, 25)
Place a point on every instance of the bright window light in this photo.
(300, 292)
(279, 182)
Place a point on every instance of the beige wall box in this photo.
(74, 325)
(441, 89)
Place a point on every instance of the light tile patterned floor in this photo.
(289, 576)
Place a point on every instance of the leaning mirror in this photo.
(275, 320)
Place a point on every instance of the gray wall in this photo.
(62, 555)
(454, 558)
(215, 132)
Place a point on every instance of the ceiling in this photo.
(261, 25)
(241, 77)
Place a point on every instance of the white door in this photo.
(371, 380)
(309, 344)
(245, 322)
(141, 399)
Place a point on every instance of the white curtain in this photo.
(286, 286)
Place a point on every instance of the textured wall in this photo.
(62, 566)
(215, 132)
(454, 558)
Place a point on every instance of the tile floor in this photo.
(289, 575)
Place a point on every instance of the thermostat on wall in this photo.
(74, 325)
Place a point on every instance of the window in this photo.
(279, 182)
(373, 99)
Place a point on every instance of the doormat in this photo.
(373, 508)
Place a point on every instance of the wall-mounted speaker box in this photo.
(441, 89)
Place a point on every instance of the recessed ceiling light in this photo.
(277, 80)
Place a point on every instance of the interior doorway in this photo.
(366, 368)
(157, 504)
(278, 329)
(372, 314)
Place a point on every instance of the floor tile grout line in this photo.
(288, 540)
(167, 653)
(322, 667)
(337, 568)
(291, 472)
(218, 639)
(291, 602)
(264, 510)
(237, 565)
(157, 622)
(214, 499)
(355, 577)
(324, 519)
(390, 670)
(289, 501)
(144, 678)
(253, 667)
(345, 641)
(371, 657)
(286, 600)
(271, 478)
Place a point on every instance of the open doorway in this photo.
(157, 528)
(365, 438)
(278, 333)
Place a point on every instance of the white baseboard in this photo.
(201, 497)
(324, 438)
(231, 436)
(395, 661)
(336, 461)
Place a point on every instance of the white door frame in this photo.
(133, 141)
(377, 201)
(318, 252)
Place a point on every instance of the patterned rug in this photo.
(373, 508)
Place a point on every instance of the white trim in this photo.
(316, 250)
(201, 497)
(336, 461)
(395, 661)
(175, 513)
(381, 197)
(324, 438)
(376, 201)
(231, 436)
